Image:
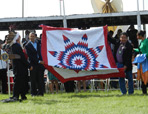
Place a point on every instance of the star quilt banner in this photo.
(72, 54)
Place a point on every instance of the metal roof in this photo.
(74, 21)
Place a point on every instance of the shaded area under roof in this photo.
(75, 21)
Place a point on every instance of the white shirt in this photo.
(3, 64)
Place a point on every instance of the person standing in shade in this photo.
(142, 73)
(132, 33)
(123, 57)
(117, 36)
(33, 49)
(3, 72)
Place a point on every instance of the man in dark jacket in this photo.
(123, 57)
(33, 49)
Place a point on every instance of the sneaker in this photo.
(11, 99)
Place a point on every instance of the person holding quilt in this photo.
(123, 57)
(142, 60)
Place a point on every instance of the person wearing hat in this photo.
(20, 67)
(142, 60)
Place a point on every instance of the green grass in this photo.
(111, 102)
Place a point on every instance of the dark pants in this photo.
(3, 77)
(19, 87)
(37, 80)
(144, 88)
(69, 86)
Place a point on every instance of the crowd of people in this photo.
(124, 46)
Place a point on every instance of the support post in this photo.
(8, 75)
(138, 17)
(22, 16)
(64, 17)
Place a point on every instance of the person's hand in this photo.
(125, 67)
(31, 68)
(42, 62)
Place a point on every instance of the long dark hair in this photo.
(141, 33)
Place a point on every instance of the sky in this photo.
(33, 8)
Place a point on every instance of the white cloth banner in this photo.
(72, 54)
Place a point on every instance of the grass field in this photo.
(100, 102)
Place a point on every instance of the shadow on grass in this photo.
(103, 96)
(50, 101)
(47, 102)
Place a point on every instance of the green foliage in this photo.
(100, 102)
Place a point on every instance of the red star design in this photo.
(78, 56)
(78, 62)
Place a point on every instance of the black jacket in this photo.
(127, 53)
(20, 66)
(33, 54)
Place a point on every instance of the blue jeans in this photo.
(129, 76)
